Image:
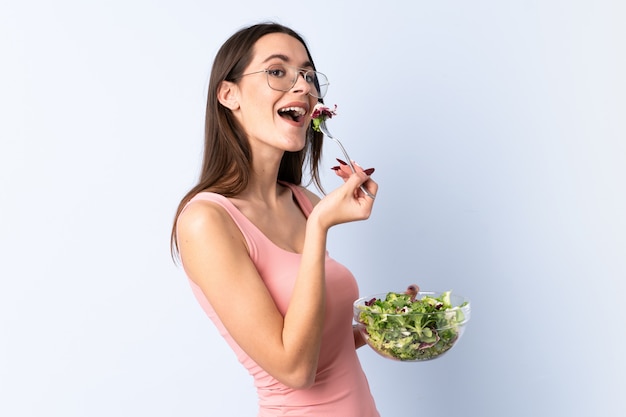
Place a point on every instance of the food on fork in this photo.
(321, 113)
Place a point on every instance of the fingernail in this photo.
(336, 168)
(369, 171)
(341, 162)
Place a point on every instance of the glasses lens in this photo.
(280, 77)
(283, 78)
(319, 82)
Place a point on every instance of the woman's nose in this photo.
(301, 83)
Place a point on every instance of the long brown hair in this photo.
(227, 157)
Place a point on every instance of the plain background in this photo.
(497, 130)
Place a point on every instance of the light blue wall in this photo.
(498, 134)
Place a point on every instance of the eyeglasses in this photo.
(283, 77)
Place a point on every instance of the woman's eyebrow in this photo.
(285, 58)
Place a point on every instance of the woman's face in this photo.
(275, 120)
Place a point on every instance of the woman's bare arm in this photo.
(215, 257)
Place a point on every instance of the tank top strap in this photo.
(301, 198)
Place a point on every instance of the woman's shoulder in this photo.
(202, 211)
(207, 221)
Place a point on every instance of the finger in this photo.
(357, 179)
(344, 164)
(345, 171)
(342, 172)
(363, 193)
(371, 186)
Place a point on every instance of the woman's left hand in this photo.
(344, 171)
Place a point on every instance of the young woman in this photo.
(252, 240)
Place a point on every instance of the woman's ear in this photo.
(227, 94)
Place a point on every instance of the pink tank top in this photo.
(340, 388)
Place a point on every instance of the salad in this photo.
(405, 327)
(321, 113)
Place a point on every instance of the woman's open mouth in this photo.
(293, 113)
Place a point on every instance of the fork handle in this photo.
(325, 131)
(345, 153)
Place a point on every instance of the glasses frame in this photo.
(299, 71)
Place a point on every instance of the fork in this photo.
(325, 131)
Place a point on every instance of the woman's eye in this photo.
(311, 78)
(276, 72)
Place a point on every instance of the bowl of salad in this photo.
(414, 325)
